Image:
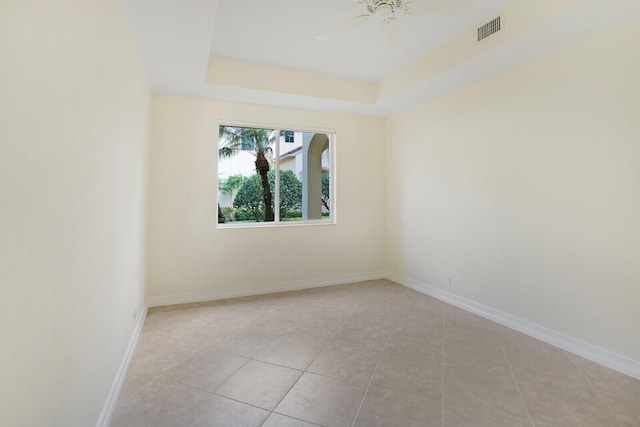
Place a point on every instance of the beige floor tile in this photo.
(259, 384)
(470, 330)
(455, 314)
(462, 416)
(277, 420)
(206, 370)
(523, 350)
(245, 343)
(200, 334)
(383, 408)
(155, 354)
(550, 371)
(366, 333)
(411, 373)
(607, 380)
(550, 375)
(485, 390)
(132, 382)
(167, 322)
(626, 407)
(273, 326)
(321, 400)
(157, 404)
(295, 352)
(216, 411)
(566, 406)
(413, 350)
(476, 353)
(380, 313)
(231, 317)
(419, 314)
(423, 302)
(518, 344)
(535, 361)
(351, 362)
(417, 336)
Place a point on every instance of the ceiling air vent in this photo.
(489, 28)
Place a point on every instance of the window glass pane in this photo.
(248, 160)
(289, 136)
(244, 167)
(290, 164)
(305, 165)
(326, 184)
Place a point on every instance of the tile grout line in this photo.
(332, 337)
(615, 414)
(159, 375)
(205, 322)
(248, 359)
(373, 373)
(366, 390)
(217, 349)
(393, 322)
(218, 385)
(293, 418)
(513, 375)
(210, 323)
(278, 365)
(213, 393)
(305, 370)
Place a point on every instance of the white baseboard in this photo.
(116, 386)
(588, 351)
(224, 293)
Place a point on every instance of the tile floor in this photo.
(366, 354)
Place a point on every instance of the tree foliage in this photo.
(253, 140)
(258, 142)
(231, 185)
(326, 191)
(249, 195)
(290, 191)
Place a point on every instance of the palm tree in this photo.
(258, 142)
(231, 186)
(221, 219)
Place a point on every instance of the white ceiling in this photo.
(283, 33)
(176, 39)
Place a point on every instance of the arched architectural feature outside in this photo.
(313, 145)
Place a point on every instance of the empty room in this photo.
(320, 213)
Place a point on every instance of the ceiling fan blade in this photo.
(393, 31)
(341, 28)
(437, 7)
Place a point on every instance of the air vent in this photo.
(489, 28)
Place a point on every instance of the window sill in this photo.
(276, 224)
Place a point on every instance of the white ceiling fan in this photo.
(385, 12)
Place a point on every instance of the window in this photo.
(289, 136)
(274, 176)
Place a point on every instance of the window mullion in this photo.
(276, 202)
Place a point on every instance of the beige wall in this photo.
(188, 255)
(525, 189)
(73, 132)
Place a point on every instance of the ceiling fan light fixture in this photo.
(388, 21)
(385, 11)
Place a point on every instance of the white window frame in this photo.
(331, 134)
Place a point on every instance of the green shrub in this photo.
(250, 195)
(242, 214)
